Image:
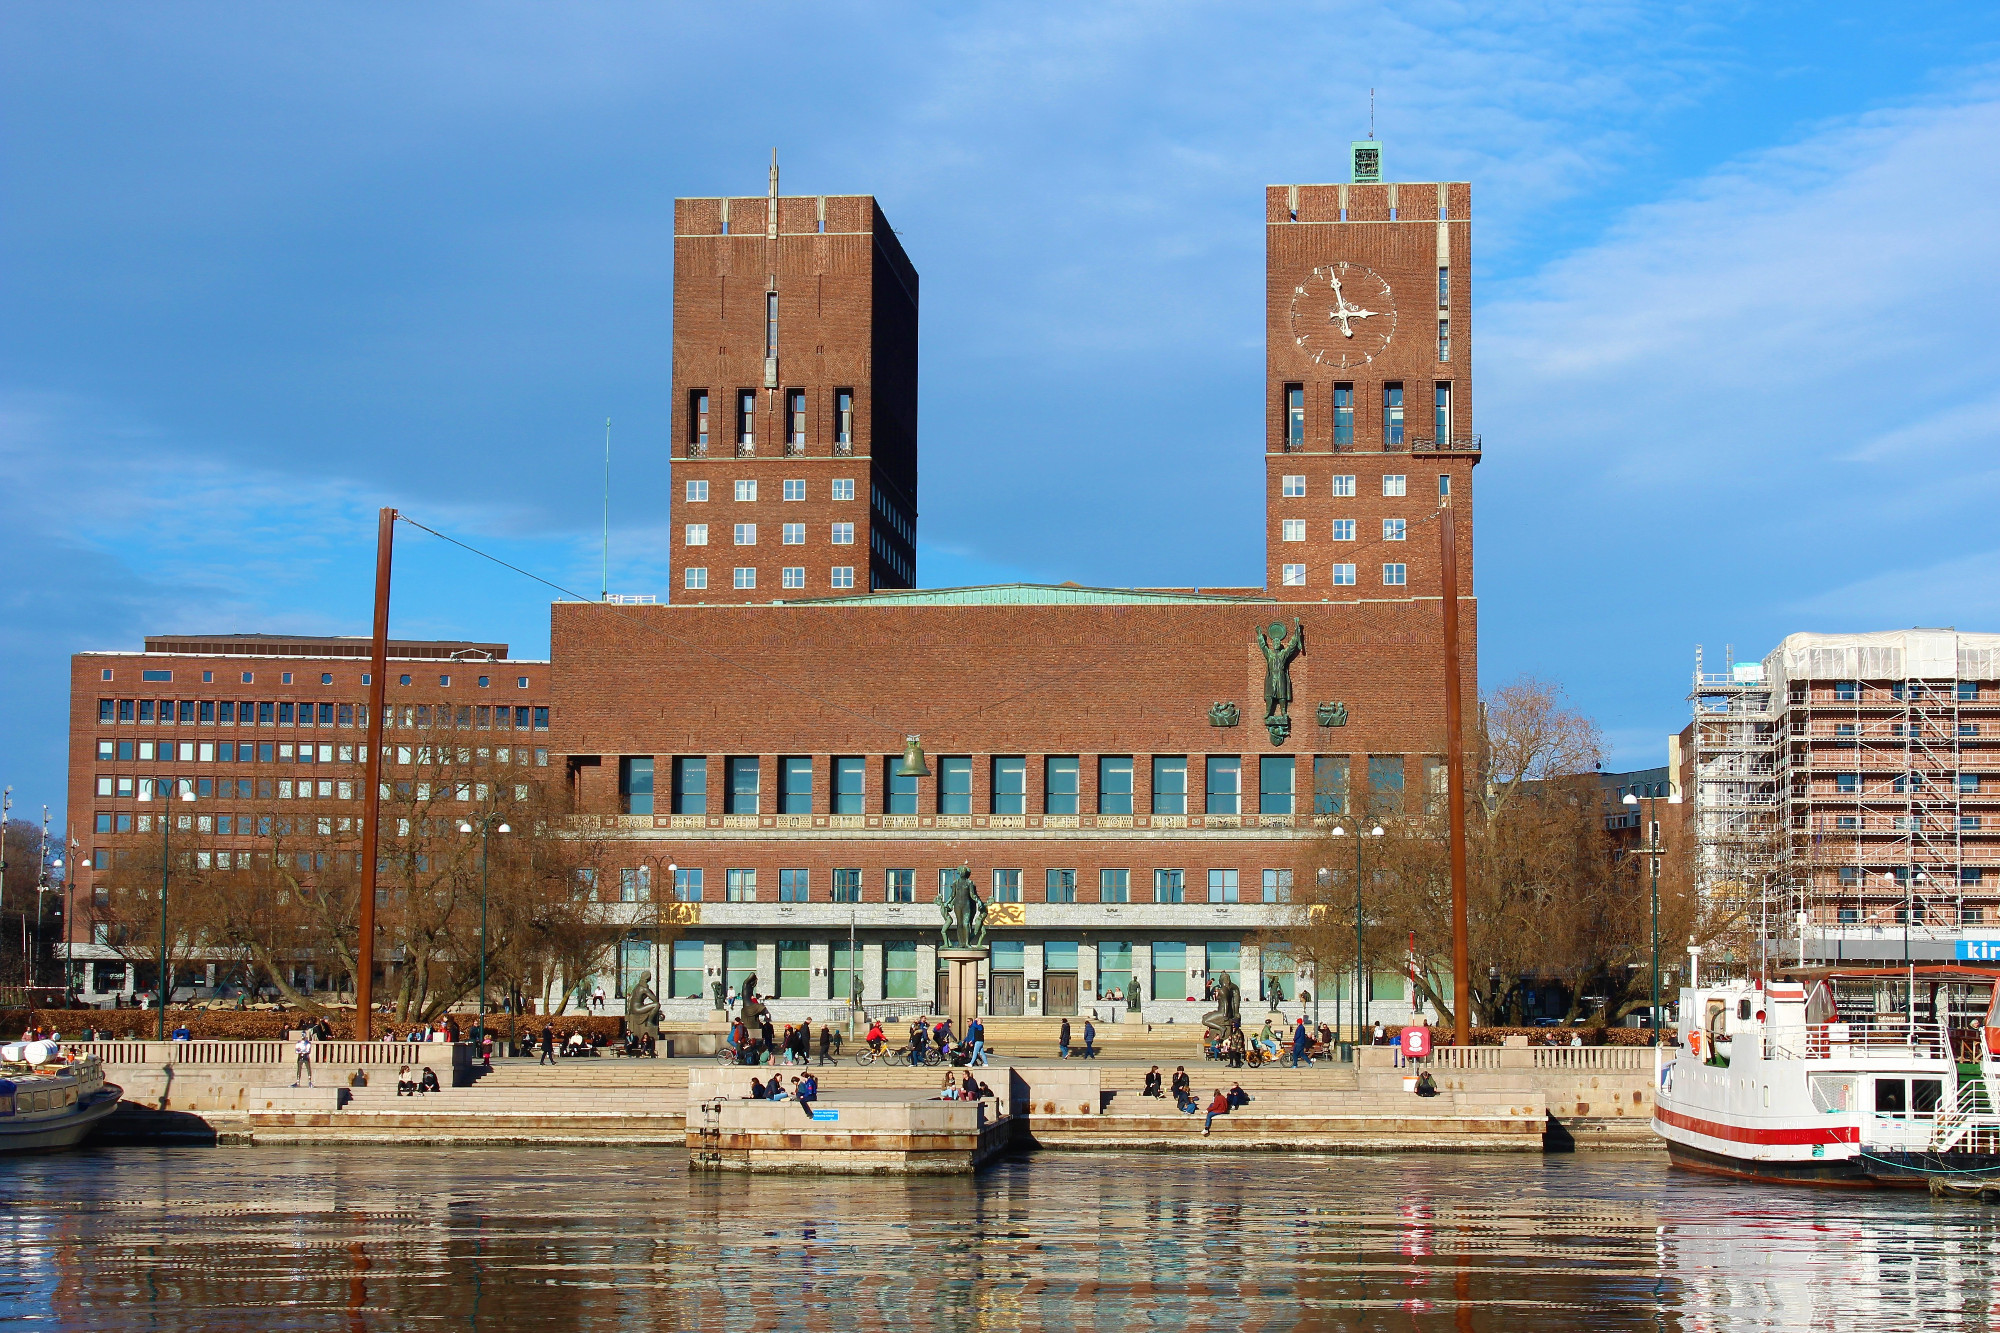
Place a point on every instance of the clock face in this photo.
(1342, 316)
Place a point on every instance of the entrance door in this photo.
(1006, 995)
(1059, 992)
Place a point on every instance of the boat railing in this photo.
(1835, 1041)
(1973, 1126)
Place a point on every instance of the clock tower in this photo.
(1368, 387)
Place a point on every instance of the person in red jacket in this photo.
(1219, 1106)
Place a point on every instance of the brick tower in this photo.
(795, 399)
(1368, 385)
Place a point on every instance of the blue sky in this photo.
(269, 267)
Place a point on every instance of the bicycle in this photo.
(727, 1054)
(868, 1055)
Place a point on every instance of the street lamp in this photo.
(1653, 854)
(486, 828)
(165, 989)
(1360, 976)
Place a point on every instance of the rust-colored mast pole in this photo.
(1454, 768)
(371, 785)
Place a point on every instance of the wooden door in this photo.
(1006, 992)
(1059, 992)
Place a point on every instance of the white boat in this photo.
(1865, 1077)
(47, 1103)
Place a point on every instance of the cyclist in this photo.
(875, 1037)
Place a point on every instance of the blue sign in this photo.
(1979, 951)
(825, 1113)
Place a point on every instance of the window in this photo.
(746, 422)
(697, 492)
(1295, 417)
(686, 972)
(843, 534)
(793, 886)
(697, 428)
(687, 885)
(1394, 529)
(1225, 775)
(696, 578)
(899, 970)
(746, 534)
(1444, 485)
(843, 576)
(1395, 484)
(635, 784)
(1061, 885)
(1170, 974)
(849, 785)
(1114, 966)
(843, 421)
(1444, 342)
(1343, 576)
(105, 674)
(1169, 784)
(954, 785)
(1293, 529)
(1006, 884)
(1010, 784)
(792, 576)
(1277, 886)
(899, 792)
(739, 961)
(1343, 417)
(795, 423)
(697, 534)
(843, 488)
(1114, 784)
(740, 798)
(1292, 487)
(1222, 887)
(326, 678)
(745, 577)
(1444, 286)
(1441, 410)
(1168, 886)
(1971, 916)
(1392, 415)
(792, 534)
(1850, 916)
(1225, 958)
(1385, 784)
(795, 489)
(1343, 484)
(1847, 784)
(739, 886)
(520, 682)
(635, 884)
(900, 886)
(156, 676)
(1847, 691)
(1059, 784)
(1968, 783)
(1968, 691)
(1968, 821)
(846, 889)
(1294, 575)
(1343, 529)
(1395, 576)
(795, 788)
(1274, 784)
(1330, 784)
(1114, 885)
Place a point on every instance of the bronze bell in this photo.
(913, 765)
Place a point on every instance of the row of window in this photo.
(796, 776)
(272, 712)
(1392, 410)
(745, 576)
(269, 752)
(1852, 784)
(1292, 485)
(1904, 823)
(1393, 529)
(1855, 877)
(1967, 916)
(1395, 574)
(1894, 729)
(165, 675)
(793, 488)
(795, 423)
(1057, 885)
(268, 789)
(1852, 691)
(789, 534)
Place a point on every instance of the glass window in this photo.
(740, 886)
(1292, 487)
(843, 488)
(899, 970)
(1060, 956)
(792, 576)
(635, 884)
(1392, 415)
(1169, 886)
(1293, 576)
(1225, 959)
(1010, 784)
(1225, 777)
(697, 534)
(1278, 984)
(695, 578)
(686, 973)
(1114, 885)
(742, 793)
(1059, 786)
(687, 884)
(635, 784)
(690, 785)
(1169, 784)
(1847, 691)
(697, 491)
(843, 980)
(1395, 575)
(1330, 784)
(1395, 484)
(850, 785)
(1441, 401)
(843, 534)
(899, 792)
(846, 889)
(1170, 971)
(792, 534)
(1295, 417)
(843, 576)
(1343, 485)
(1343, 576)
(1385, 784)
(794, 886)
(1395, 529)
(1061, 886)
(1006, 885)
(954, 785)
(1385, 986)
(1343, 417)
(795, 785)
(1274, 784)
(1292, 530)
(795, 489)
(1223, 887)
(746, 534)
(1114, 966)
(739, 963)
(900, 886)
(1114, 784)
(1009, 956)
(744, 576)
(1277, 886)
(1343, 529)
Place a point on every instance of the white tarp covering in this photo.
(1903, 654)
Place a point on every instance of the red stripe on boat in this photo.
(1739, 1134)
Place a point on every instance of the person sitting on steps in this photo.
(1152, 1088)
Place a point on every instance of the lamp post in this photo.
(486, 829)
(1325, 882)
(1652, 851)
(165, 988)
(1360, 976)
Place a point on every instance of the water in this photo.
(532, 1239)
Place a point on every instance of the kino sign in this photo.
(1979, 951)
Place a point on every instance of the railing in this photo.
(1973, 1126)
(1541, 1059)
(1836, 1041)
(697, 449)
(1448, 444)
(342, 1053)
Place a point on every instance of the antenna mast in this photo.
(605, 594)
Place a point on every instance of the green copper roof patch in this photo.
(1025, 594)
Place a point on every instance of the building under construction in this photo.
(1846, 798)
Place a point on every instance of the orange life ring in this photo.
(1694, 1042)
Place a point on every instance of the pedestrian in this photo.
(486, 1048)
(1216, 1107)
(767, 1034)
(548, 1044)
(825, 1040)
(1377, 1039)
(805, 1045)
(807, 1092)
(1089, 1040)
(1062, 1042)
(304, 1067)
(975, 1033)
(1300, 1043)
